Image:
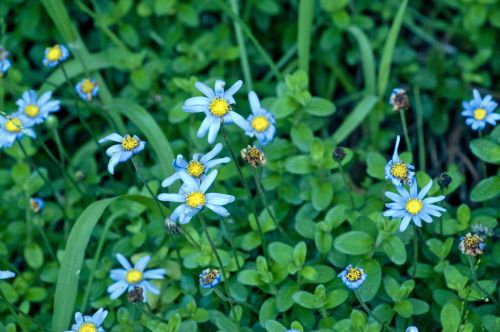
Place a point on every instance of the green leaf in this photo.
(281, 253)
(306, 300)
(33, 255)
(302, 136)
(354, 243)
(354, 119)
(250, 277)
(404, 308)
(486, 189)
(454, 279)
(298, 165)
(376, 164)
(419, 307)
(367, 58)
(320, 107)
(370, 287)
(395, 249)
(486, 150)
(322, 194)
(300, 253)
(284, 300)
(305, 21)
(450, 318)
(336, 298)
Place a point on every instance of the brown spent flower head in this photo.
(172, 228)
(444, 180)
(399, 100)
(471, 245)
(135, 295)
(338, 154)
(253, 156)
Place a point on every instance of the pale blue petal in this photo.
(221, 211)
(219, 199)
(213, 130)
(141, 263)
(424, 190)
(208, 180)
(123, 261)
(211, 154)
(112, 137)
(205, 89)
(172, 197)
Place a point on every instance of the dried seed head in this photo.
(135, 295)
(471, 245)
(172, 228)
(444, 180)
(253, 156)
(338, 154)
(399, 100)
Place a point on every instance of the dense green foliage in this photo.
(325, 69)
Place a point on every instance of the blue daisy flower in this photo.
(54, 55)
(13, 128)
(87, 89)
(412, 205)
(210, 278)
(120, 153)
(35, 110)
(480, 111)
(194, 197)
(397, 171)
(89, 323)
(4, 62)
(198, 167)
(217, 108)
(7, 274)
(261, 121)
(352, 277)
(37, 204)
(130, 277)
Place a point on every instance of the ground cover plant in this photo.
(260, 165)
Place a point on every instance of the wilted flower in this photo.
(194, 197)
(399, 100)
(198, 167)
(4, 61)
(471, 244)
(36, 204)
(12, 128)
(482, 231)
(87, 89)
(172, 227)
(33, 110)
(54, 55)
(210, 278)
(338, 154)
(7, 274)
(411, 205)
(135, 295)
(397, 170)
(130, 277)
(89, 323)
(128, 147)
(480, 111)
(217, 108)
(353, 277)
(444, 180)
(261, 121)
(254, 156)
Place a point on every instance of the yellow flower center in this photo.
(210, 276)
(480, 114)
(219, 107)
(195, 169)
(87, 327)
(133, 276)
(13, 125)
(254, 153)
(87, 86)
(129, 143)
(195, 199)
(399, 170)
(472, 241)
(54, 53)
(31, 110)
(354, 274)
(260, 123)
(414, 206)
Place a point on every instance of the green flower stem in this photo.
(441, 218)
(241, 44)
(149, 312)
(44, 238)
(245, 185)
(464, 305)
(420, 129)
(472, 263)
(262, 195)
(369, 312)
(341, 169)
(15, 311)
(405, 132)
(47, 182)
(224, 298)
(60, 146)
(415, 250)
(231, 242)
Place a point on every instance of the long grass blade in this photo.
(306, 16)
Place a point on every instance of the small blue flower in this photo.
(89, 323)
(210, 278)
(13, 128)
(128, 147)
(7, 274)
(217, 108)
(35, 110)
(4, 61)
(261, 121)
(398, 171)
(198, 167)
(411, 329)
(130, 277)
(480, 111)
(411, 205)
(192, 195)
(54, 55)
(87, 89)
(352, 277)
(37, 204)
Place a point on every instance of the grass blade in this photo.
(306, 16)
(367, 58)
(247, 74)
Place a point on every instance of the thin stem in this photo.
(141, 177)
(472, 263)
(369, 312)
(341, 169)
(405, 132)
(241, 44)
(266, 204)
(227, 299)
(415, 250)
(420, 129)
(149, 312)
(441, 218)
(59, 145)
(464, 305)
(245, 185)
(231, 243)
(16, 312)
(45, 239)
